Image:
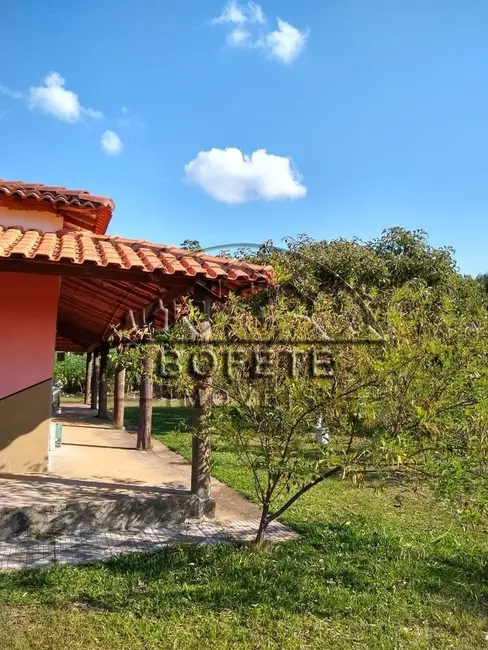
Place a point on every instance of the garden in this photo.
(377, 458)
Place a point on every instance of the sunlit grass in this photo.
(373, 570)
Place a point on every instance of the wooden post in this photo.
(119, 394)
(94, 381)
(88, 377)
(200, 456)
(103, 381)
(145, 401)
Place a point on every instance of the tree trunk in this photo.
(263, 525)
(119, 395)
(200, 459)
(88, 377)
(200, 466)
(103, 382)
(267, 517)
(145, 402)
(94, 382)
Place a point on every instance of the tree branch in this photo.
(302, 491)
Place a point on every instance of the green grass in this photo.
(130, 401)
(364, 574)
(72, 399)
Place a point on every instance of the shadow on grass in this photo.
(332, 570)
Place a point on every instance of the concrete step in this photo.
(44, 508)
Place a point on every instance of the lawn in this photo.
(369, 571)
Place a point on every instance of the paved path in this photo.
(93, 451)
(26, 553)
(97, 462)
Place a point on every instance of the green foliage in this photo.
(191, 245)
(411, 406)
(407, 401)
(130, 359)
(71, 372)
(307, 268)
(483, 280)
(379, 570)
(407, 256)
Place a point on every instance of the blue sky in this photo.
(372, 114)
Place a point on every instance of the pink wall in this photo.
(28, 311)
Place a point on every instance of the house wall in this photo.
(28, 311)
(31, 219)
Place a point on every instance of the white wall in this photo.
(31, 219)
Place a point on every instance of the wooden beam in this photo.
(88, 377)
(133, 321)
(119, 395)
(145, 400)
(94, 383)
(103, 381)
(200, 459)
(75, 333)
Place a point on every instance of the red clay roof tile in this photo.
(80, 209)
(83, 247)
(55, 194)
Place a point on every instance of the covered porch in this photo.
(66, 286)
(98, 481)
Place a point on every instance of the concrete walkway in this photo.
(95, 452)
(98, 465)
(96, 461)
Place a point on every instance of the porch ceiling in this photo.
(89, 306)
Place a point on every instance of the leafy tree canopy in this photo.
(191, 245)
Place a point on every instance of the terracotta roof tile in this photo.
(108, 254)
(27, 244)
(171, 264)
(8, 240)
(214, 270)
(80, 209)
(54, 194)
(150, 259)
(47, 246)
(129, 256)
(83, 247)
(192, 265)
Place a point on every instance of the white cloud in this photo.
(111, 143)
(54, 99)
(230, 176)
(231, 13)
(286, 43)
(255, 14)
(246, 21)
(236, 13)
(238, 36)
(92, 112)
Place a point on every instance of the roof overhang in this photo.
(79, 208)
(104, 279)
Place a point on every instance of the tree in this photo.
(307, 268)
(483, 279)
(71, 372)
(191, 245)
(384, 342)
(408, 406)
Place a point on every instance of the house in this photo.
(64, 284)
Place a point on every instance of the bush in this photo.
(71, 373)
